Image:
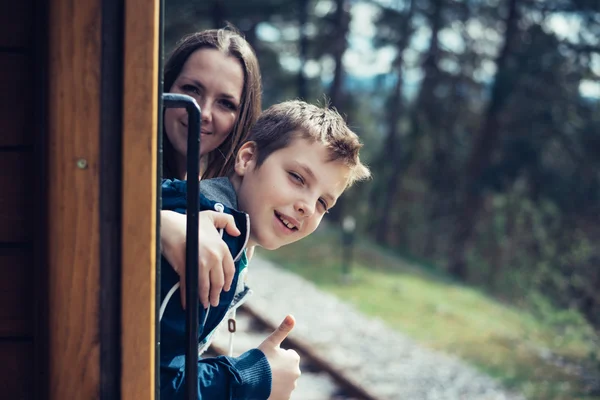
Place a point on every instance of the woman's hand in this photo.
(215, 264)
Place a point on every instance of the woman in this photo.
(220, 70)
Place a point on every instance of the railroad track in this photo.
(320, 379)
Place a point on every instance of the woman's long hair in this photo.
(219, 162)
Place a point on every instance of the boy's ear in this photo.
(246, 156)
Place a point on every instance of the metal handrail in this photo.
(172, 100)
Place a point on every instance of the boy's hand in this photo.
(285, 364)
(215, 264)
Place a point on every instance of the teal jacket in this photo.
(244, 377)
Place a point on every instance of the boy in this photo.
(295, 163)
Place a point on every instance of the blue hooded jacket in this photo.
(245, 377)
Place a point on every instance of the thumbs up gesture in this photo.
(285, 364)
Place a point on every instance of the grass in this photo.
(502, 341)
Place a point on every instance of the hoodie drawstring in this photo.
(231, 321)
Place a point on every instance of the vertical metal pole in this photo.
(171, 100)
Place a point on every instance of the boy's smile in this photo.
(287, 196)
(290, 224)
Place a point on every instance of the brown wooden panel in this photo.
(139, 198)
(16, 23)
(16, 292)
(16, 196)
(73, 199)
(15, 85)
(16, 377)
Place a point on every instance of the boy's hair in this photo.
(281, 123)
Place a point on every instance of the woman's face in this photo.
(216, 81)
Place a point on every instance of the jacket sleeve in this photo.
(247, 377)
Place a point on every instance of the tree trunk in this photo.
(250, 35)
(303, 47)
(427, 112)
(392, 157)
(484, 145)
(390, 161)
(339, 46)
(218, 14)
(430, 64)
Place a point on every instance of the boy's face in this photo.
(287, 196)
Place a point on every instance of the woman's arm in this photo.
(215, 264)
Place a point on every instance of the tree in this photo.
(390, 162)
(484, 145)
(303, 6)
(341, 21)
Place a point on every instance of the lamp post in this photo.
(348, 229)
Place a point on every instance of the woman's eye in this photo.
(296, 177)
(229, 105)
(190, 89)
